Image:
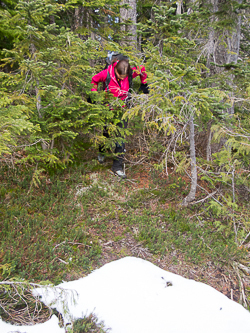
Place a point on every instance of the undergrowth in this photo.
(87, 325)
(43, 236)
(55, 231)
(174, 229)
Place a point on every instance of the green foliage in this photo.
(170, 231)
(176, 90)
(88, 324)
(14, 121)
(53, 218)
(7, 35)
(40, 224)
(60, 229)
(51, 81)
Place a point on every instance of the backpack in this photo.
(110, 58)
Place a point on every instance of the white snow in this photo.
(50, 326)
(132, 295)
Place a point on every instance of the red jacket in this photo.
(118, 90)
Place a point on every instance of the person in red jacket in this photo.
(116, 79)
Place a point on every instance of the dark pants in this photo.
(119, 148)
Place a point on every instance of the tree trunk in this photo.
(209, 140)
(91, 34)
(191, 196)
(223, 45)
(179, 7)
(128, 17)
(38, 96)
(77, 18)
(51, 19)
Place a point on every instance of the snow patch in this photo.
(132, 295)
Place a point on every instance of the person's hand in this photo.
(144, 88)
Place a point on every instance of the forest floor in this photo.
(79, 219)
(122, 242)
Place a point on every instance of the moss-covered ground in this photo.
(83, 217)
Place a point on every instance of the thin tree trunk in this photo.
(208, 148)
(38, 96)
(128, 16)
(91, 34)
(191, 196)
(38, 100)
(179, 7)
(90, 25)
(78, 21)
(77, 18)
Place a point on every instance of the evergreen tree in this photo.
(51, 78)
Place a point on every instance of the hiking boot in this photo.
(101, 158)
(119, 173)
